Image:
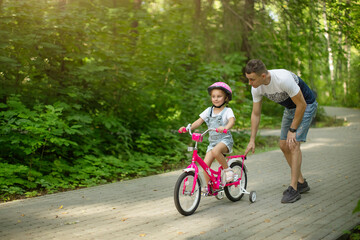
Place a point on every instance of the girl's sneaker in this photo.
(229, 175)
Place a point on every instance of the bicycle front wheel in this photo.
(185, 202)
(235, 193)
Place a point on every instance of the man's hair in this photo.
(255, 66)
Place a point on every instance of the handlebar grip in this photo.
(183, 130)
(225, 130)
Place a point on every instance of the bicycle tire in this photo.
(185, 203)
(234, 193)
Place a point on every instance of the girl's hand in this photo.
(182, 130)
(220, 129)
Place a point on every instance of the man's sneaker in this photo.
(303, 187)
(290, 195)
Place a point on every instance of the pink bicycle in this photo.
(187, 192)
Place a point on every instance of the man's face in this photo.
(255, 80)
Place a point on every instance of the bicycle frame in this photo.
(215, 176)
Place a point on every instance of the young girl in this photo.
(221, 117)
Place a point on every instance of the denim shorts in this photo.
(302, 130)
(228, 141)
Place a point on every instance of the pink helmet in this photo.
(223, 86)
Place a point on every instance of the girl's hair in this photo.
(255, 66)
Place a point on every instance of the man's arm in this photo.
(255, 120)
(300, 103)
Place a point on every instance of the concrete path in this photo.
(144, 208)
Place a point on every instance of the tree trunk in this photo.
(348, 59)
(339, 62)
(248, 23)
(348, 65)
(226, 24)
(310, 47)
(135, 23)
(197, 17)
(62, 4)
(209, 40)
(330, 52)
(197, 9)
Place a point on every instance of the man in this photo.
(289, 90)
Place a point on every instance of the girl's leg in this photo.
(209, 158)
(218, 153)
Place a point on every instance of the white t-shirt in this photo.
(225, 117)
(283, 85)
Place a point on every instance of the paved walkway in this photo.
(144, 208)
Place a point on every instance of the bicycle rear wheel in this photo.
(186, 203)
(234, 193)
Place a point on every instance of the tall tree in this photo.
(248, 23)
(135, 22)
(330, 51)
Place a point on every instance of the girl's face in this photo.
(218, 97)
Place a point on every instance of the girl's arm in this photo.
(194, 125)
(228, 126)
(231, 123)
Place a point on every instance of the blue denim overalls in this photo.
(215, 137)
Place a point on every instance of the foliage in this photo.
(357, 208)
(322, 120)
(353, 234)
(91, 91)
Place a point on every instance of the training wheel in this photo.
(252, 196)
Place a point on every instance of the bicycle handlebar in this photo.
(188, 129)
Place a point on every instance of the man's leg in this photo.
(293, 156)
(294, 159)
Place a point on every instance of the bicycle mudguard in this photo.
(193, 170)
(237, 159)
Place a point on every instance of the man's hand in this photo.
(291, 140)
(251, 146)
